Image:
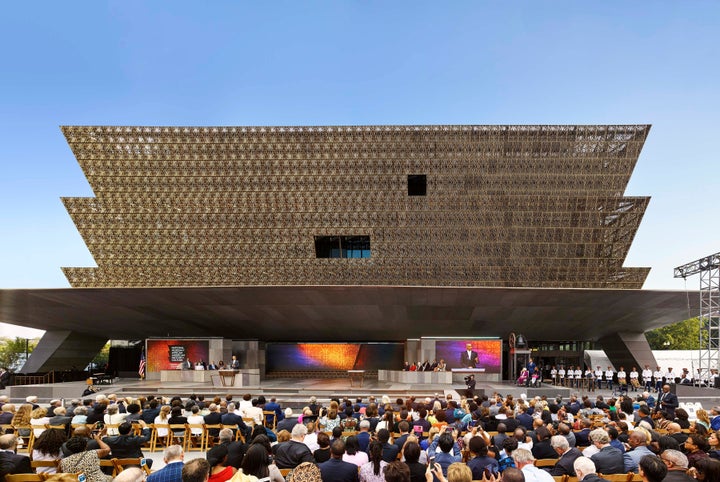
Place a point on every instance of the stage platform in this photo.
(295, 393)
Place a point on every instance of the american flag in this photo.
(141, 368)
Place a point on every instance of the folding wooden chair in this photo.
(179, 433)
(270, 419)
(211, 439)
(195, 438)
(24, 478)
(156, 439)
(35, 464)
(122, 464)
(109, 463)
(617, 477)
(27, 440)
(545, 462)
(236, 431)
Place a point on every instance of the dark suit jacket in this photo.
(148, 415)
(11, 463)
(597, 478)
(400, 441)
(127, 446)
(470, 361)
(525, 420)
(363, 440)
(609, 461)
(234, 419)
(290, 454)
(389, 452)
(236, 452)
(543, 450)
(668, 402)
(582, 438)
(339, 471)
(286, 424)
(565, 463)
(677, 476)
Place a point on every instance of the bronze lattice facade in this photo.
(505, 206)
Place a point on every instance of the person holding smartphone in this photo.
(86, 461)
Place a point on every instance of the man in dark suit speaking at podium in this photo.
(469, 358)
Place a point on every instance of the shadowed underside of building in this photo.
(387, 207)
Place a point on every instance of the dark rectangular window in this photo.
(342, 246)
(417, 184)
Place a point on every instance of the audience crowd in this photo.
(436, 439)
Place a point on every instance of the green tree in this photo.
(683, 335)
(12, 352)
(103, 356)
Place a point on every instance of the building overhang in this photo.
(343, 313)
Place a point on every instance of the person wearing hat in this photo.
(715, 420)
(32, 400)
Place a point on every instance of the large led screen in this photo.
(489, 353)
(169, 354)
(334, 356)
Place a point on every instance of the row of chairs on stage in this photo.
(592, 384)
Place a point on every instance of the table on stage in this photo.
(359, 374)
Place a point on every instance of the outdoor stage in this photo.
(295, 393)
(292, 392)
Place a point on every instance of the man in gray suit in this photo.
(609, 460)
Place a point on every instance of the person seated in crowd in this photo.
(322, 454)
(173, 456)
(586, 470)
(353, 453)
(336, 469)
(449, 451)
(38, 420)
(480, 460)
(607, 459)
(652, 469)
(232, 418)
(48, 447)
(7, 413)
(11, 462)
(637, 442)
(126, 445)
(220, 471)
(525, 461)
(86, 460)
(373, 469)
(566, 456)
(292, 453)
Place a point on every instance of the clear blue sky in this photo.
(336, 62)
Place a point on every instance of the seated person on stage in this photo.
(535, 377)
(522, 379)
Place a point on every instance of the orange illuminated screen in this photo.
(333, 356)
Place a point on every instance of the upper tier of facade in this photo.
(440, 205)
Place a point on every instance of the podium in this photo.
(227, 377)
